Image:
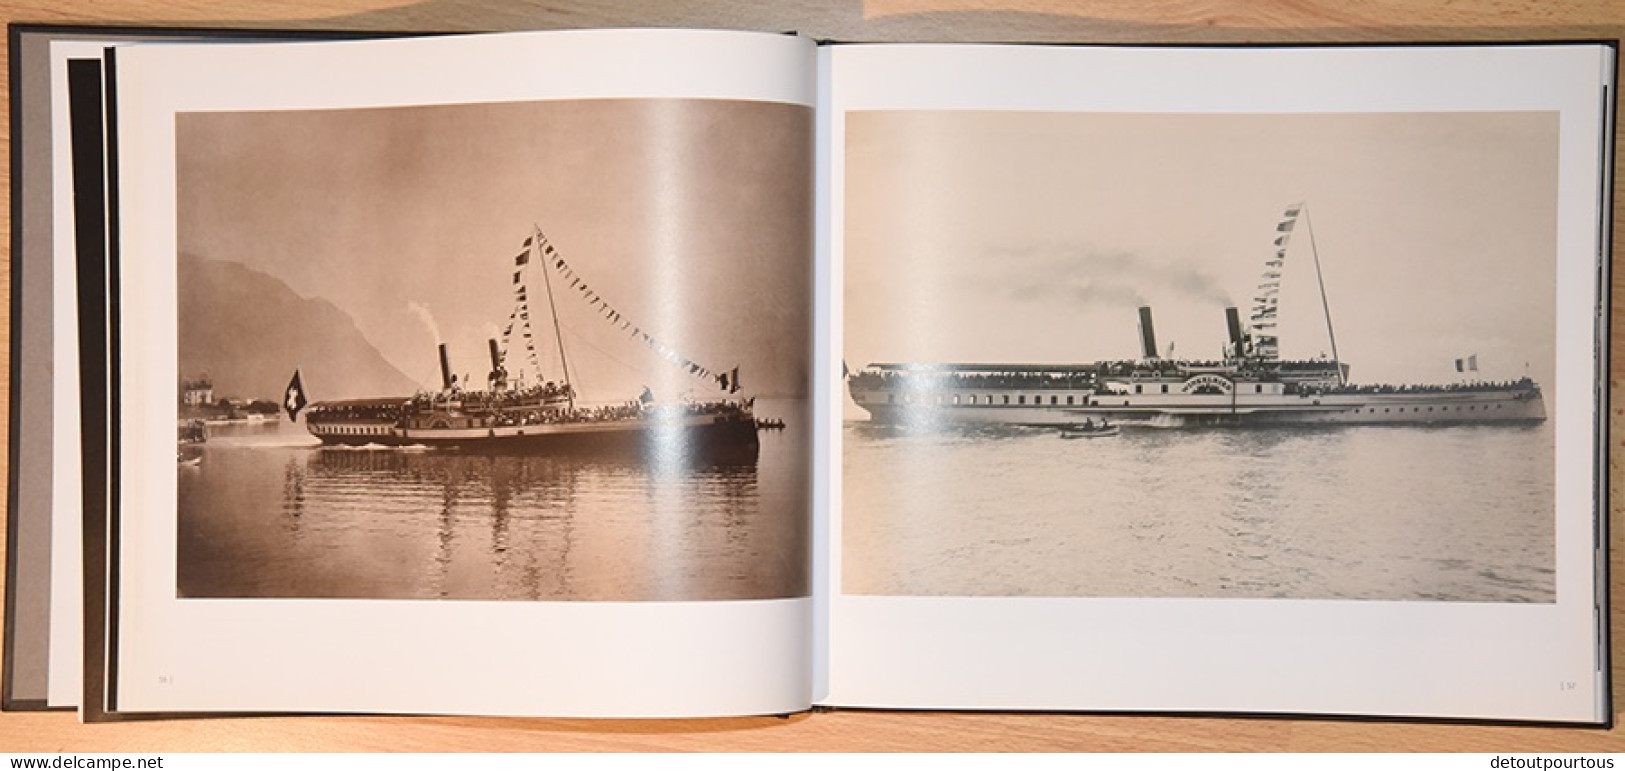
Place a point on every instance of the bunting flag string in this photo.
(1266, 302)
(729, 382)
(520, 316)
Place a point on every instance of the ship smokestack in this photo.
(1148, 337)
(499, 377)
(1233, 319)
(445, 369)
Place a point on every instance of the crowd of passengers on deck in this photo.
(511, 397)
(630, 410)
(1384, 388)
(887, 380)
(625, 411)
(374, 412)
(1179, 368)
(502, 405)
(1127, 368)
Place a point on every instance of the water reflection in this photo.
(260, 517)
(1460, 513)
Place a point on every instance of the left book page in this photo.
(58, 213)
(466, 343)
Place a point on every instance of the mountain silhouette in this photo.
(247, 331)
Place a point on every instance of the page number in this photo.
(166, 680)
(1567, 685)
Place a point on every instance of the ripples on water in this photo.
(266, 514)
(1359, 512)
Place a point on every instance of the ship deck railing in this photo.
(890, 380)
(1112, 368)
(1521, 384)
(559, 414)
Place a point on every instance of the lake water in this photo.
(1360, 512)
(267, 513)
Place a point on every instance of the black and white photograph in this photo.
(546, 350)
(1200, 355)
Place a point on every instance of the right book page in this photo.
(1252, 380)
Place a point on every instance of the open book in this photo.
(659, 373)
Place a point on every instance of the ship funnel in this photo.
(498, 378)
(445, 369)
(1148, 337)
(1233, 319)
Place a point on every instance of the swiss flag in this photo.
(293, 399)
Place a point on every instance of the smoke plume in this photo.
(427, 318)
(1103, 278)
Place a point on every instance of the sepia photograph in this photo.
(548, 350)
(1189, 355)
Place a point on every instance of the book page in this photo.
(489, 361)
(1100, 444)
(67, 643)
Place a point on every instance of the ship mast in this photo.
(1324, 304)
(553, 308)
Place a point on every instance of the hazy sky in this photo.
(693, 218)
(1032, 237)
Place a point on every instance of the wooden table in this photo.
(1120, 21)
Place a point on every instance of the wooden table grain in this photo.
(1090, 21)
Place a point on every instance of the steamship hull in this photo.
(651, 436)
(1034, 407)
